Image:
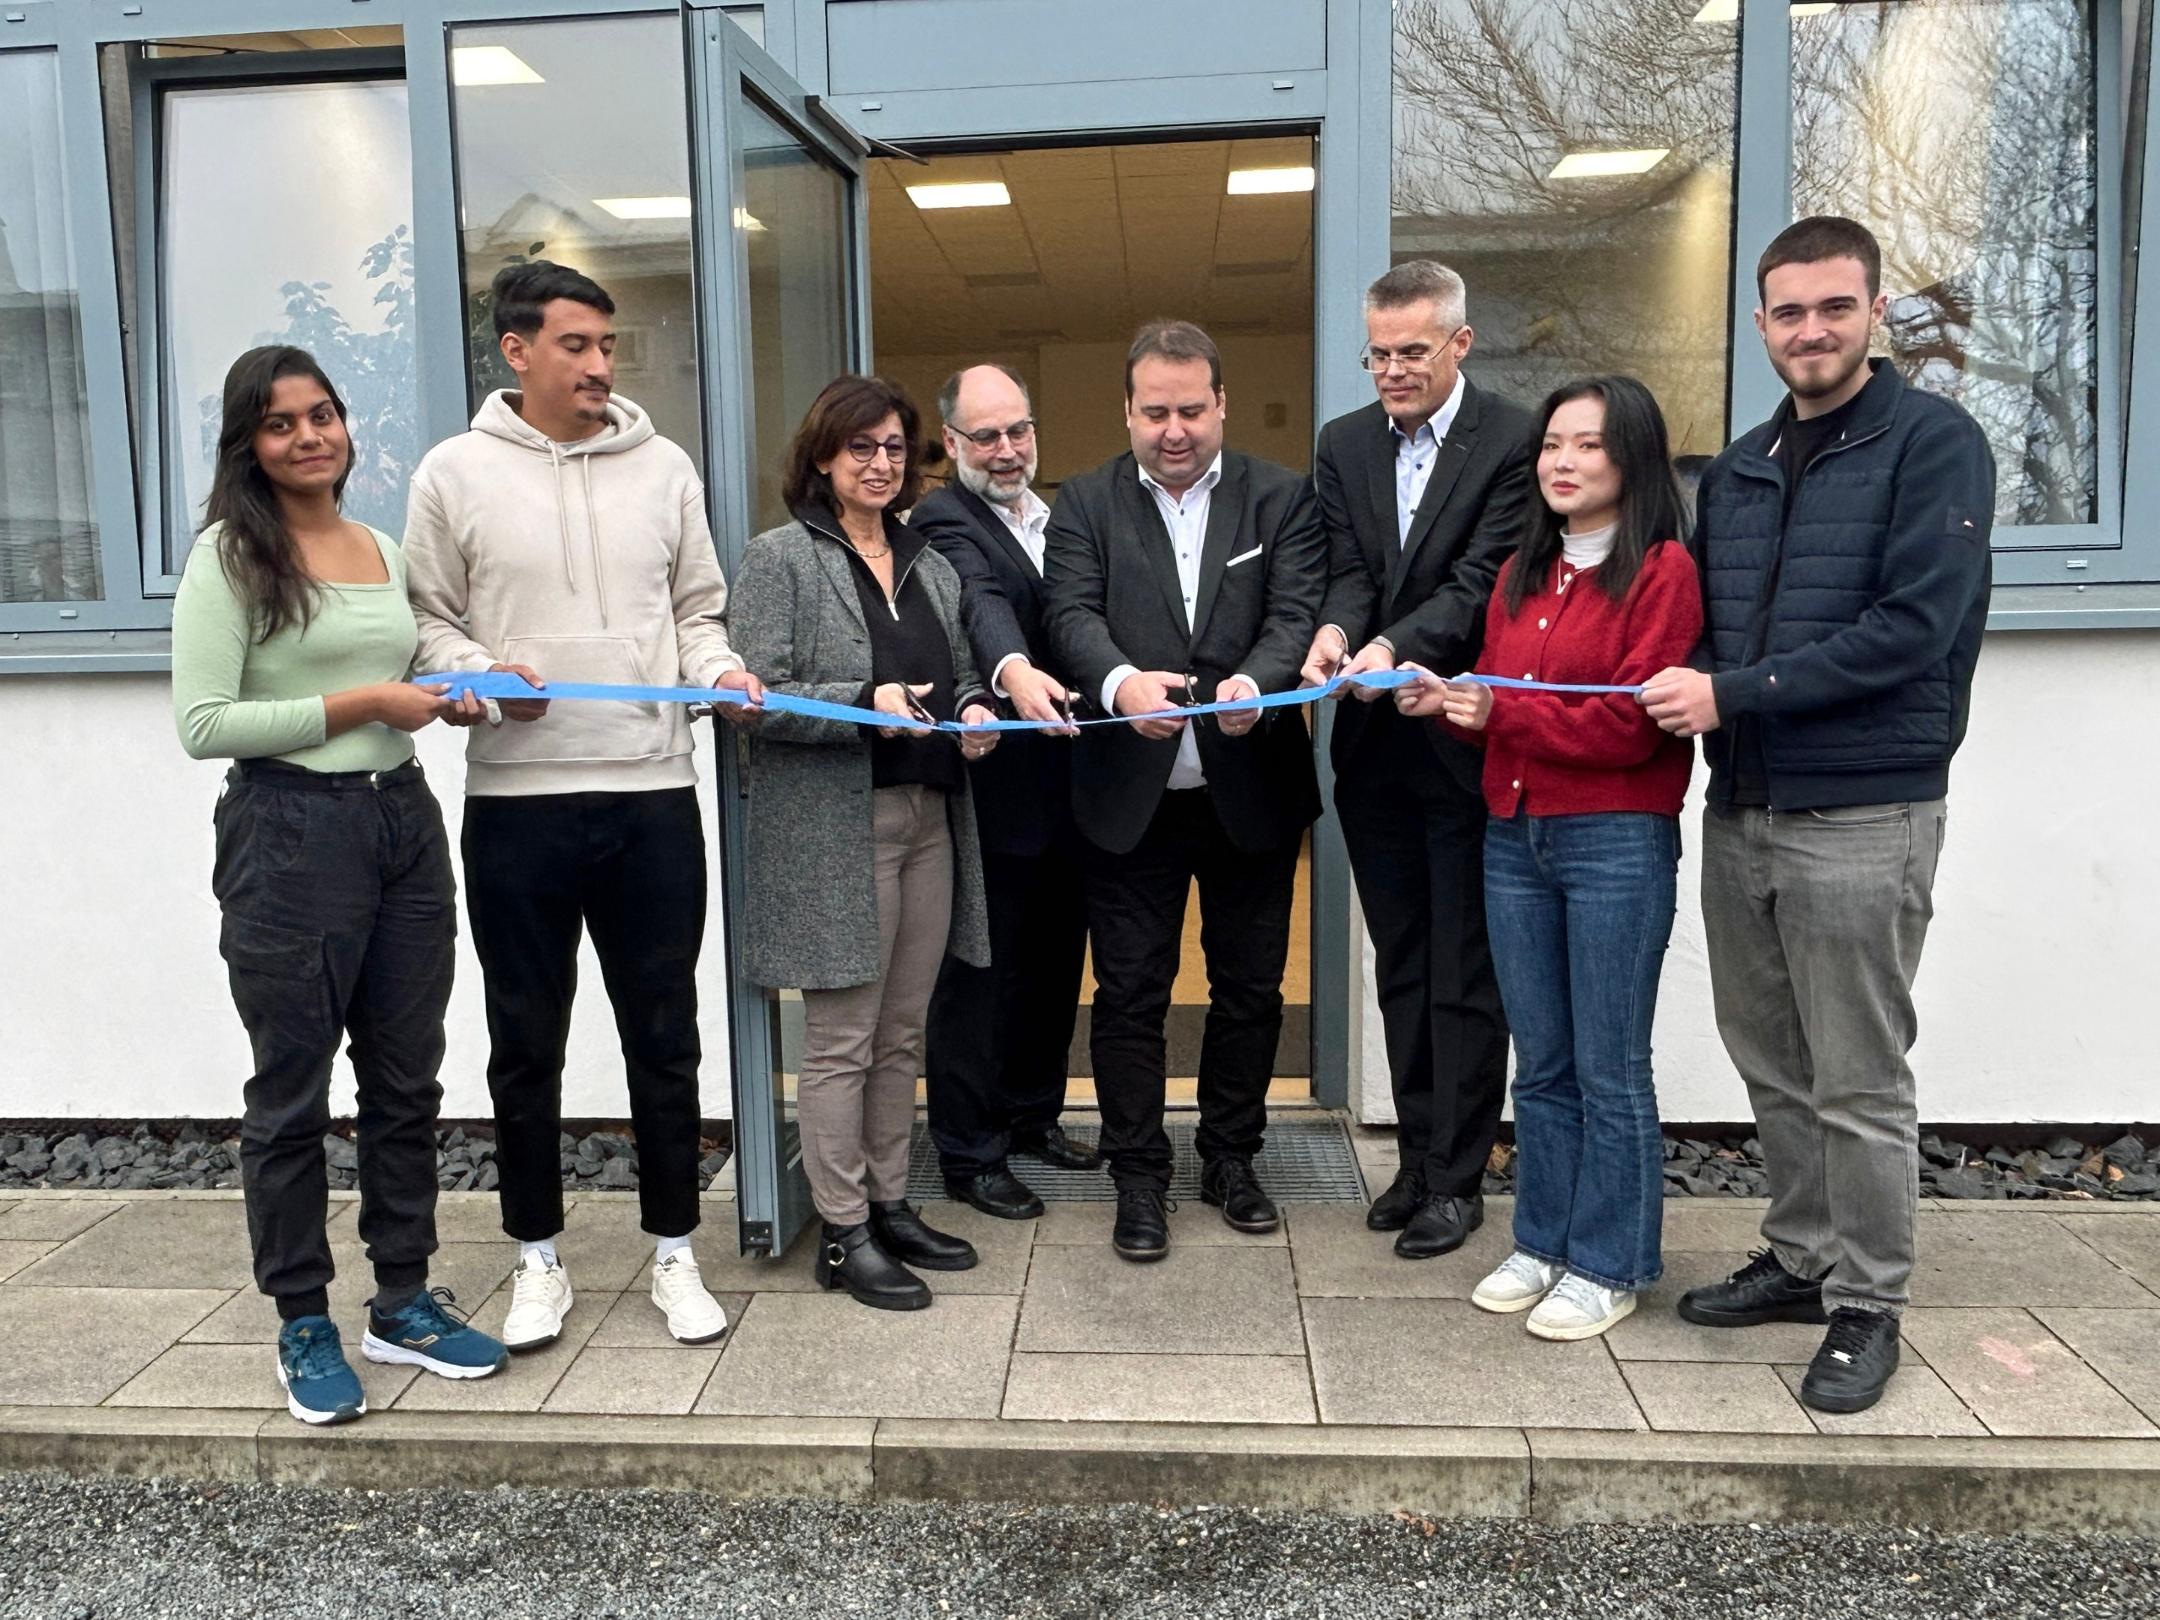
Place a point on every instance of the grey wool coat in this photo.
(810, 919)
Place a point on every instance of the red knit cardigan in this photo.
(1573, 754)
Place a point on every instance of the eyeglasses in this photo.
(1411, 357)
(986, 438)
(865, 450)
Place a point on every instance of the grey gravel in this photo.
(116, 1550)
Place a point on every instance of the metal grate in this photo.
(1306, 1160)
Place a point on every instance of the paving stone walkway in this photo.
(2035, 1320)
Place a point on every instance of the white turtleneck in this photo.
(1589, 548)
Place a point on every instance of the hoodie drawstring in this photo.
(562, 519)
(592, 538)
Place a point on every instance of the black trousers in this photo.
(339, 918)
(1136, 913)
(1000, 1038)
(1416, 840)
(630, 868)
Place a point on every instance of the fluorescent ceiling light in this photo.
(1604, 165)
(645, 207)
(1265, 182)
(1725, 11)
(968, 194)
(490, 64)
(747, 221)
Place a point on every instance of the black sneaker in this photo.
(1857, 1357)
(1142, 1231)
(1760, 1291)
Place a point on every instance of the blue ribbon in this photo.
(501, 684)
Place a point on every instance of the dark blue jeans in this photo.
(1580, 909)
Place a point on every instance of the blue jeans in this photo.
(1580, 909)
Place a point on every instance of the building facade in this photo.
(767, 190)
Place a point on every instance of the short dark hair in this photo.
(849, 405)
(1173, 340)
(521, 294)
(948, 397)
(1816, 238)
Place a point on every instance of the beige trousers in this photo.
(863, 1046)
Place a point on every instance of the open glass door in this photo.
(781, 244)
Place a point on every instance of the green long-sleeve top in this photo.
(236, 697)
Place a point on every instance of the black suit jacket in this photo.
(1428, 594)
(1115, 599)
(1023, 787)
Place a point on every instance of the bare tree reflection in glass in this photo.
(1962, 133)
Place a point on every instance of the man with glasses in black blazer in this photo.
(1000, 1038)
(1423, 491)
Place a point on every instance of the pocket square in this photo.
(1243, 557)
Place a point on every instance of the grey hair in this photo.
(948, 397)
(1415, 280)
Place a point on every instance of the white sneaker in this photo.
(693, 1315)
(539, 1299)
(1578, 1308)
(1519, 1283)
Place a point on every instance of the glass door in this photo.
(781, 246)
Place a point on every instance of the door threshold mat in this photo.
(1304, 1161)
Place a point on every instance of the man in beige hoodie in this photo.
(563, 538)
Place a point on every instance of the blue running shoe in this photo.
(320, 1385)
(431, 1332)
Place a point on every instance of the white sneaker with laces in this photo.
(540, 1298)
(1518, 1283)
(1578, 1308)
(693, 1315)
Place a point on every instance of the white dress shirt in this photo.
(1186, 518)
(1027, 517)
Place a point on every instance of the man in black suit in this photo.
(1000, 1037)
(1423, 493)
(1183, 572)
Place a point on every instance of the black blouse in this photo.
(908, 644)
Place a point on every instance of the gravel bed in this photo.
(127, 1550)
(197, 1156)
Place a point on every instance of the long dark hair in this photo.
(257, 553)
(1651, 508)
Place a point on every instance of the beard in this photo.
(1823, 382)
(998, 488)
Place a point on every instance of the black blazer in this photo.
(1023, 787)
(1115, 599)
(1426, 595)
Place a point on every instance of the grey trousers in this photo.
(863, 1046)
(1814, 921)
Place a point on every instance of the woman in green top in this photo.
(291, 646)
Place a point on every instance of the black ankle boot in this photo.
(903, 1234)
(849, 1257)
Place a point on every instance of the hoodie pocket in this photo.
(584, 730)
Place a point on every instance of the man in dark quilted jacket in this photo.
(1844, 557)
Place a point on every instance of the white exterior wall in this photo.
(113, 1000)
(2033, 996)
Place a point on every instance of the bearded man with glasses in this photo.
(1000, 1037)
(1422, 492)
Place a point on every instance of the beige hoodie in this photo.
(586, 562)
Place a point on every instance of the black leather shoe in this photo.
(1142, 1231)
(1440, 1226)
(1055, 1147)
(1392, 1210)
(1229, 1185)
(1760, 1291)
(995, 1192)
(849, 1257)
(1857, 1357)
(903, 1234)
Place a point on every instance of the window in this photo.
(312, 247)
(572, 145)
(1962, 133)
(795, 213)
(1573, 160)
(48, 527)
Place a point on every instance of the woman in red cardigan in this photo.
(1583, 848)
